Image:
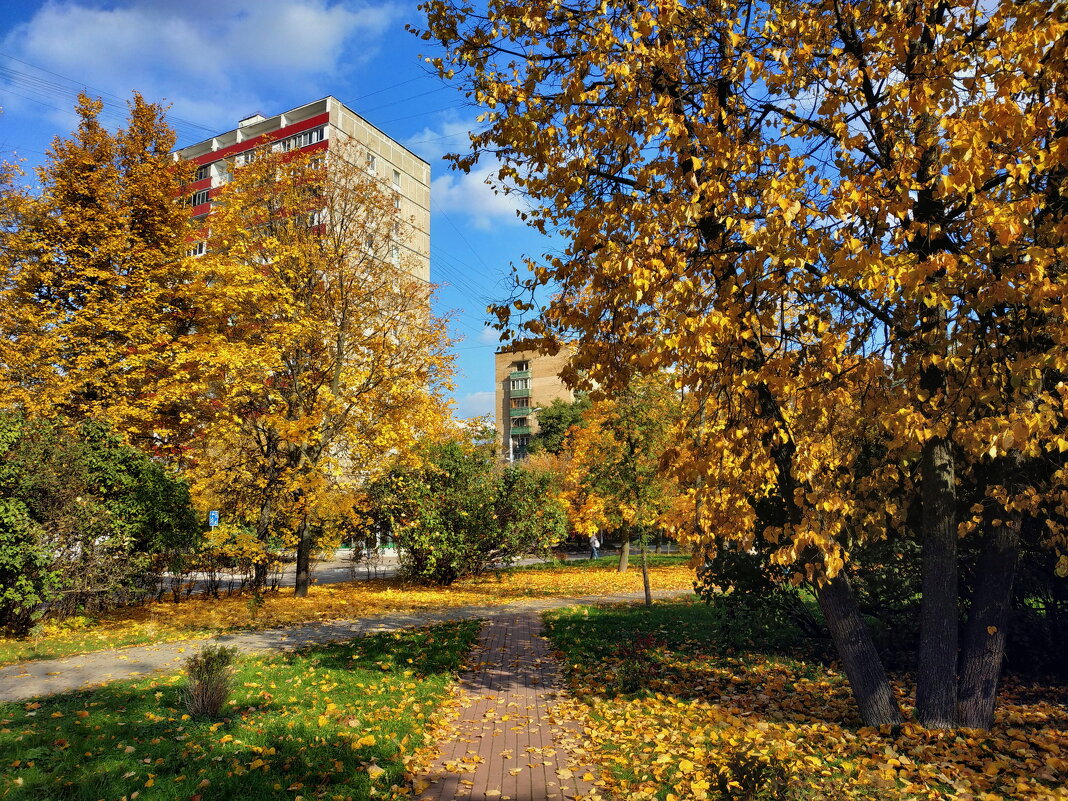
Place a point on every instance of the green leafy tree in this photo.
(460, 513)
(554, 423)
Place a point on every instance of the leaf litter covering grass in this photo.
(200, 617)
(337, 722)
(675, 721)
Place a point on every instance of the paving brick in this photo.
(509, 696)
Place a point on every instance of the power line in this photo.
(51, 87)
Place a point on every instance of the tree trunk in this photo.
(645, 574)
(860, 659)
(936, 675)
(263, 530)
(624, 554)
(304, 547)
(988, 620)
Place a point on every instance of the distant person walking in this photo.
(595, 543)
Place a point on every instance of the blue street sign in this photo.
(213, 517)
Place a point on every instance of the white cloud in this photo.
(459, 193)
(476, 404)
(489, 336)
(214, 61)
(470, 194)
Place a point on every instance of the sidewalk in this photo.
(510, 742)
(48, 676)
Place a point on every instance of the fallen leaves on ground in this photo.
(198, 617)
(698, 725)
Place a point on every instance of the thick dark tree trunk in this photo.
(936, 675)
(645, 574)
(988, 620)
(860, 659)
(624, 554)
(304, 548)
(259, 575)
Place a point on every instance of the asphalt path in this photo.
(340, 568)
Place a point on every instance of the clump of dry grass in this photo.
(208, 686)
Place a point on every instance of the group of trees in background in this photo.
(840, 228)
(272, 373)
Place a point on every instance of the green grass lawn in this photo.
(332, 722)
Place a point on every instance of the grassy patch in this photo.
(201, 617)
(328, 722)
(672, 714)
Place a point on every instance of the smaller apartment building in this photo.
(526, 381)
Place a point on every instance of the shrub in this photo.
(208, 685)
(459, 513)
(754, 597)
(747, 774)
(26, 577)
(82, 516)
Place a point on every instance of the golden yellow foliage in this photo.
(316, 343)
(840, 227)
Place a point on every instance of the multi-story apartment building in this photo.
(316, 127)
(526, 382)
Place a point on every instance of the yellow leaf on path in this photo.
(991, 630)
(374, 771)
(367, 739)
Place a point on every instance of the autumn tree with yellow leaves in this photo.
(612, 476)
(94, 288)
(325, 358)
(841, 226)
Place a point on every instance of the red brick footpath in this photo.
(510, 742)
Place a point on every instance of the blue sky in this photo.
(216, 61)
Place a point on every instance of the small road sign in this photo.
(213, 518)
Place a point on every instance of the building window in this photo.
(198, 249)
(520, 403)
(394, 254)
(522, 366)
(396, 178)
(198, 198)
(520, 442)
(241, 159)
(203, 171)
(519, 422)
(396, 202)
(520, 383)
(372, 163)
(303, 139)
